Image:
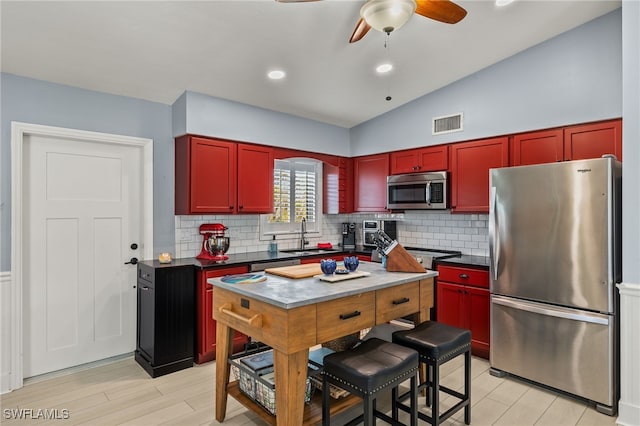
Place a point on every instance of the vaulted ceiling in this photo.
(155, 50)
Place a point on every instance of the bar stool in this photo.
(437, 344)
(365, 371)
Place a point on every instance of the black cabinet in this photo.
(166, 317)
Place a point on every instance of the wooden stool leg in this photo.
(414, 401)
(435, 396)
(467, 386)
(325, 402)
(368, 419)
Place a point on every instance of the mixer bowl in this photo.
(217, 246)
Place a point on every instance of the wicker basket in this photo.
(259, 385)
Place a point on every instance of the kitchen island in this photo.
(292, 315)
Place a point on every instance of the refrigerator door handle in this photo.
(552, 311)
(494, 237)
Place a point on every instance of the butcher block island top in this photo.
(292, 315)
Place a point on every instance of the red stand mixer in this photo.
(214, 243)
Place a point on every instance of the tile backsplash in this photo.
(467, 233)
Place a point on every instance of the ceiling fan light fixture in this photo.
(387, 15)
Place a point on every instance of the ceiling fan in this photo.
(389, 15)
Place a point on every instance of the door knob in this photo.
(132, 261)
(134, 246)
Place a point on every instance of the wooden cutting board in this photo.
(296, 271)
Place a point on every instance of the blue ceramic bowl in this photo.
(328, 266)
(351, 263)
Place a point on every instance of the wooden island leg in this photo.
(291, 380)
(224, 346)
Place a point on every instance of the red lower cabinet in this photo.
(463, 301)
(205, 324)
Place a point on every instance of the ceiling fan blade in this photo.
(362, 28)
(440, 10)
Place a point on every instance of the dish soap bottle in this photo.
(273, 245)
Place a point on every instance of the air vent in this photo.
(447, 124)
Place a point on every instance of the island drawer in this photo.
(344, 316)
(396, 302)
(286, 330)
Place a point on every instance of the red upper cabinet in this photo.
(337, 181)
(470, 164)
(213, 176)
(545, 146)
(593, 140)
(205, 175)
(255, 179)
(370, 183)
(430, 159)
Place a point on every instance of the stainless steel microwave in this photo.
(418, 191)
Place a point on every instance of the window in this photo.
(296, 195)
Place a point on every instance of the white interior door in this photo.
(82, 213)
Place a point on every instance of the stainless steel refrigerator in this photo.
(555, 249)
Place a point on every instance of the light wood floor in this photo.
(121, 393)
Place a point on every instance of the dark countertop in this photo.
(238, 259)
(466, 260)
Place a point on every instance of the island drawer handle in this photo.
(254, 321)
(401, 301)
(350, 315)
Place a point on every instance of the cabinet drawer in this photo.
(286, 330)
(461, 275)
(341, 317)
(396, 302)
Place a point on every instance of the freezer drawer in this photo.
(566, 349)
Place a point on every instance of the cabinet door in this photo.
(205, 324)
(430, 159)
(470, 164)
(537, 147)
(433, 159)
(255, 179)
(213, 176)
(370, 183)
(593, 140)
(403, 162)
(478, 305)
(450, 304)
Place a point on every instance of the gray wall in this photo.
(38, 102)
(206, 115)
(573, 78)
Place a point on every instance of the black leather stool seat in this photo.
(438, 343)
(435, 340)
(370, 367)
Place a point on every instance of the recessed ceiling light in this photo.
(501, 3)
(384, 68)
(276, 74)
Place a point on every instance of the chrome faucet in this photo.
(303, 230)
